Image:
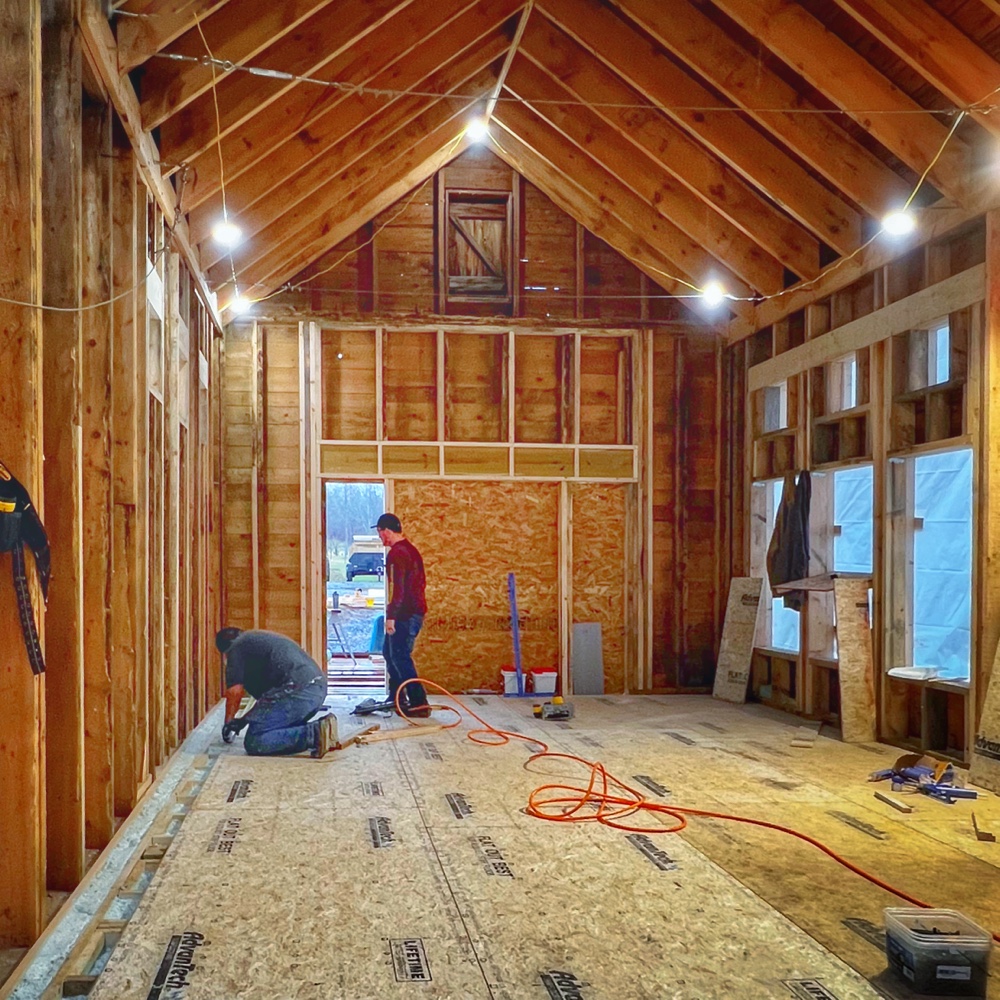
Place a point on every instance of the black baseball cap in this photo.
(388, 522)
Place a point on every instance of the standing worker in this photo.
(405, 608)
(288, 686)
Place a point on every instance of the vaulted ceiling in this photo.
(753, 142)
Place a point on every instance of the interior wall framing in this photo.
(880, 318)
(129, 491)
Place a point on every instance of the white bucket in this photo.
(544, 681)
(509, 681)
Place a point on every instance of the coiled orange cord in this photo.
(610, 801)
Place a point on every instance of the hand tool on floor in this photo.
(556, 710)
(369, 706)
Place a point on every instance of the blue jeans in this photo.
(398, 653)
(278, 720)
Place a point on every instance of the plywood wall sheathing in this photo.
(599, 567)
(471, 535)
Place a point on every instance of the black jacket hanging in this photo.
(788, 551)
(20, 526)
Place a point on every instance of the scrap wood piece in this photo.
(805, 736)
(355, 737)
(983, 835)
(984, 769)
(856, 668)
(398, 734)
(903, 807)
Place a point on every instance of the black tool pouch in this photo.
(19, 524)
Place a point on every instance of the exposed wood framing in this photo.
(22, 737)
(97, 556)
(63, 244)
(947, 296)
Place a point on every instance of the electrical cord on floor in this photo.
(609, 801)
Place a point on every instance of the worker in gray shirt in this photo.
(288, 686)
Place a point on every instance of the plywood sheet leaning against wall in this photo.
(599, 566)
(985, 767)
(854, 645)
(471, 535)
(738, 632)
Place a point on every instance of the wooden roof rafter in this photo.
(671, 148)
(678, 253)
(737, 143)
(662, 195)
(302, 165)
(299, 192)
(332, 32)
(693, 37)
(853, 84)
(579, 203)
(396, 55)
(157, 23)
(344, 214)
(310, 218)
(932, 46)
(237, 33)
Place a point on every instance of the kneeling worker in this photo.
(288, 686)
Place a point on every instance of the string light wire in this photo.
(93, 305)
(218, 146)
(228, 66)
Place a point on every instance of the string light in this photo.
(227, 234)
(899, 223)
(713, 294)
(477, 130)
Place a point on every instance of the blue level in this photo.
(515, 626)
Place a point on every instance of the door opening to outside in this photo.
(355, 591)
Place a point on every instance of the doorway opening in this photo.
(355, 590)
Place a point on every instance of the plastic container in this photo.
(937, 952)
(544, 681)
(509, 680)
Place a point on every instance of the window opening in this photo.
(939, 354)
(942, 563)
(775, 407)
(842, 384)
(785, 631)
(853, 493)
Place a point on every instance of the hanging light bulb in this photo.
(227, 234)
(477, 130)
(240, 305)
(712, 294)
(899, 223)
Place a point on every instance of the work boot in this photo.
(326, 736)
(417, 711)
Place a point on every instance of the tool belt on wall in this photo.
(20, 526)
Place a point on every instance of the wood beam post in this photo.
(989, 496)
(61, 389)
(97, 565)
(171, 502)
(22, 736)
(127, 642)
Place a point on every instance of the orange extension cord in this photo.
(611, 801)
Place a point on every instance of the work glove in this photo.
(232, 729)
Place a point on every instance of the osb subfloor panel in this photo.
(408, 868)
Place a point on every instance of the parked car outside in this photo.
(365, 564)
